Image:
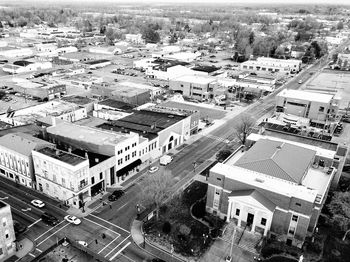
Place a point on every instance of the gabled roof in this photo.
(278, 159)
(22, 143)
(257, 197)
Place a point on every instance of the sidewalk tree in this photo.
(340, 210)
(156, 189)
(244, 127)
(223, 154)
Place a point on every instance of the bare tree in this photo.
(244, 127)
(157, 189)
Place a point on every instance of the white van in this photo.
(166, 159)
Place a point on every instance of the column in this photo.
(254, 221)
(229, 211)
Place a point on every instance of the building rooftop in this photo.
(138, 85)
(148, 133)
(305, 95)
(202, 80)
(79, 100)
(278, 159)
(31, 129)
(98, 61)
(22, 143)
(256, 195)
(117, 104)
(143, 120)
(94, 158)
(265, 182)
(60, 155)
(88, 134)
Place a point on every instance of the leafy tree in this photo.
(339, 207)
(223, 154)
(340, 25)
(243, 128)
(22, 21)
(110, 36)
(157, 189)
(150, 35)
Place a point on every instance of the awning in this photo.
(129, 167)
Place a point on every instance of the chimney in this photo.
(53, 121)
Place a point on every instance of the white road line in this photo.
(117, 246)
(49, 230)
(34, 219)
(34, 223)
(123, 206)
(39, 250)
(52, 235)
(118, 235)
(116, 254)
(110, 223)
(107, 245)
(31, 254)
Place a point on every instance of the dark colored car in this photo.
(19, 227)
(49, 219)
(115, 195)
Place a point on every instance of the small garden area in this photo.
(176, 227)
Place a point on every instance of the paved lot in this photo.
(69, 252)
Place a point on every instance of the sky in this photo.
(194, 1)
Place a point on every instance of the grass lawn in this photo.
(177, 227)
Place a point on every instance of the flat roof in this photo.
(79, 100)
(203, 80)
(88, 134)
(60, 155)
(138, 85)
(117, 104)
(94, 158)
(148, 133)
(305, 95)
(149, 119)
(95, 62)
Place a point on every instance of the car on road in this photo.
(72, 219)
(49, 219)
(153, 169)
(300, 81)
(19, 227)
(37, 203)
(82, 243)
(115, 195)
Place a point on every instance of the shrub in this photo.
(166, 227)
(268, 251)
(198, 209)
(184, 230)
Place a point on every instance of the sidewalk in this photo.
(24, 246)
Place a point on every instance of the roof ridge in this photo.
(285, 171)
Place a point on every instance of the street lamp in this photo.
(144, 239)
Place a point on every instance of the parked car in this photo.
(300, 81)
(37, 203)
(83, 243)
(72, 219)
(49, 219)
(115, 195)
(153, 169)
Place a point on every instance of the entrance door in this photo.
(250, 219)
(112, 175)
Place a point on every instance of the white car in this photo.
(83, 243)
(72, 219)
(153, 169)
(37, 203)
(228, 259)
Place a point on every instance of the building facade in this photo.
(16, 161)
(264, 191)
(7, 232)
(268, 64)
(62, 175)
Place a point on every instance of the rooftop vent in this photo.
(259, 180)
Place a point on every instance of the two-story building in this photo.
(317, 107)
(272, 65)
(277, 188)
(62, 175)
